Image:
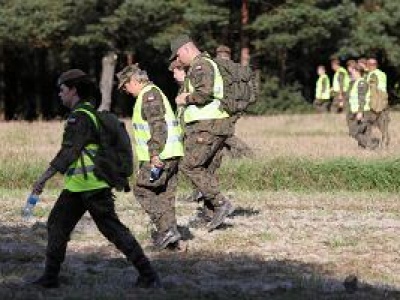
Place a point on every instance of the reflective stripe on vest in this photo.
(75, 179)
(382, 81)
(319, 94)
(353, 98)
(346, 80)
(173, 145)
(212, 110)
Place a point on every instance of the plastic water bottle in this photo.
(155, 173)
(27, 210)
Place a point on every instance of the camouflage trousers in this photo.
(203, 155)
(361, 130)
(338, 104)
(69, 209)
(322, 106)
(158, 198)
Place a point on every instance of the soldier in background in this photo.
(322, 91)
(340, 86)
(361, 118)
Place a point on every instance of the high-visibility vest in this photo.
(382, 81)
(353, 98)
(212, 110)
(319, 94)
(346, 80)
(75, 178)
(173, 145)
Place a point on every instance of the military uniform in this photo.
(322, 94)
(359, 103)
(84, 192)
(340, 86)
(158, 198)
(205, 137)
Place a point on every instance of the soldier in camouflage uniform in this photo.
(158, 143)
(83, 190)
(361, 118)
(207, 125)
(340, 85)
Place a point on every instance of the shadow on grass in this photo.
(101, 273)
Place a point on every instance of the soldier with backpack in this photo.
(207, 124)
(84, 190)
(159, 147)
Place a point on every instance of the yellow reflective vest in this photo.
(79, 176)
(382, 80)
(212, 110)
(346, 80)
(321, 94)
(354, 100)
(173, 146)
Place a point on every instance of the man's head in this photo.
(321, 70)
(183, 49)
(75, 85)
(350, 64)
(372, 63)
(178, 71)
(223, 52)
(357, 71)
(132, 79)
(335, 64)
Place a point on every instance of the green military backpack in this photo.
(113, 161)
(239, 86)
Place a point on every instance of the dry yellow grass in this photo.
(312, 136)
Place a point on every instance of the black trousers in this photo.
(69, 209)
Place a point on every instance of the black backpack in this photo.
(239, 86)
(113, 161)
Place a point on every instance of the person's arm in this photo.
(362, 92)
(341, 84)
(324, 87)
(78, 132)
(153, 112)
(202, 79)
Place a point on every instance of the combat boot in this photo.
(49, 279)
(194, 197)
(148, 277)
(170, 237)
(224, 209)
(201, 219)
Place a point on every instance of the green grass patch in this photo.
(295, 174)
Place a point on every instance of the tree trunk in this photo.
(107, 78)
(244, 39)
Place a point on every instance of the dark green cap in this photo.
(125, 75)
(178, 42)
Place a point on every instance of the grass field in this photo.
(281, 242)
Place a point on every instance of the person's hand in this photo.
(156, 161)
(359, 116)
(180, 100)
(38, 187)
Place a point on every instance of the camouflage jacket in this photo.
(201, 76)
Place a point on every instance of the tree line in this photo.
(284, 41)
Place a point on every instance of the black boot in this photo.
(148, 277)
(49, 279)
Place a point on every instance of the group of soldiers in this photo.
(191, 140)
(360, 90)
